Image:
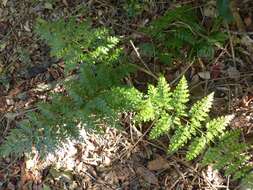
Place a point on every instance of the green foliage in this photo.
(214, 128)
(231, 155)
(92, 100)
(179, 35)
(168, 110)
(19, 140)
(135, 7)
(71, 40)
(180, 97)
(95, 96)
(224, 10)
(132, 7)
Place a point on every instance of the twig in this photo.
(139, 57)
(217, 79)
(231, 45)
(181, 74)
(238, 32)
(137, 142)
(94, 179)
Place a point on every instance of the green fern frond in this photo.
(180, 30)
(162, 126)
(198, 113)
(179, 139)
(184, 13)
(71, 40)
(185, 35)
(146, 112)
(161, 95)
(19, 140)
(215, 128)
(180, 97)
(230, 154)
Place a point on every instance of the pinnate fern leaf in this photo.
(198, 114)
(180, 97)
(20, 140)
(162, 126)
(215, 128)
(231, 155)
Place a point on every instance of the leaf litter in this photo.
(96, 162)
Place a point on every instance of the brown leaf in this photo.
(204, 75)
(158, 164)
(10, 186)
(65, 2)
(247, 21)
(147, 175)
(215, 71)
(233, 73)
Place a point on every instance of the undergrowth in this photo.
(96, 96)
(179, 35)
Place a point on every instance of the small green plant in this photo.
(224, 10)
(179, 35)
(77, 42)
(95, 97)
(231, 155)
(168, 110)
(132, 7)
(193, 128)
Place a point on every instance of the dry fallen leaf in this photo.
(158, 164)
(147, 175)
(247, 21)
(65, 2)
(233, 73)
(204, 75)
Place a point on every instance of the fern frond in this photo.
(229, 154)
(184, 13)
(198, 113)
(146, 112)
(215, 128)
(162, 126)
(179, 29)
(179, 139)
(71, 40)
(161, 95)
(180, 97)
(18, 141)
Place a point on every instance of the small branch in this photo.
(147, 70)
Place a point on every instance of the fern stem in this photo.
(144, 70)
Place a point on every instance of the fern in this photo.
(96, 96)
(198, 113)
(162, 126)
(231, 155)
(180, 97)
(214, 128)
(157, 99)
(19, 141)
(170, 114)
(71, 40)
(178, 34)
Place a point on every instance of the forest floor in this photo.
(116, 160)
